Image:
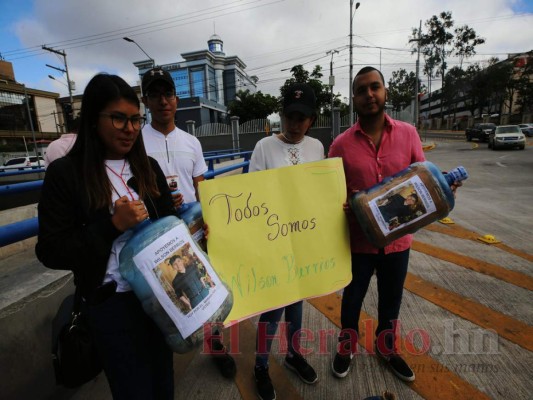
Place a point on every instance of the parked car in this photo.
(21, 163)
(507, 136)
(480, 131)
(527, 129)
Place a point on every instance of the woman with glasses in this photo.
(90, 200)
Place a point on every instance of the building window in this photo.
(198, 83)
(215, 47)
(14, 113)
(212, 85)
(181, 79)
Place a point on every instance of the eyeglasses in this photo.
(121, 121)
(167, 94)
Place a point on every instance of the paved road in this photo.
(499, 192)
(462, 292)
(472, 299)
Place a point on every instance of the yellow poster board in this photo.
(278, 236)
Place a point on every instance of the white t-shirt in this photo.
(179, 155)
(119, 172)
(272, 152)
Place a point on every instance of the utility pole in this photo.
(31, 126)
(62, 53)
(331, 80)
(55, 122)
(351, 58)
(417, 83)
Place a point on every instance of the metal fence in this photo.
(212, 130)
(261, 125)
(256, 125)
(322, 121)
(345, 120)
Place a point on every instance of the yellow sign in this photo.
(278, 236)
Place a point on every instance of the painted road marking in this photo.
(462, 233)
(510, 328)
(430, 385)
(514, 277)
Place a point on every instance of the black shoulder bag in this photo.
(73, 351)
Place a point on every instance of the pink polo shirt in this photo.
(364, 166)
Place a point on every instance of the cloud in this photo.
(268, 35)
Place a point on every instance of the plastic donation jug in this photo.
(175, 282)
(191, 213)
(405, 202)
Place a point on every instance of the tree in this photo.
(438, 43)
(248, 106)
(322, 91)
(465, 43)
(453, 89)
(473, 89)
(401, 89)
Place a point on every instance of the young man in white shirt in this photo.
(178, 153)
(180, 156)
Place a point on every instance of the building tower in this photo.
(216, 46)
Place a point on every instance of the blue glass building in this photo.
(206, 81)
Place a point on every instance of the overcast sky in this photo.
(270, 36)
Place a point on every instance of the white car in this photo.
(527, 129)
(21, 163)
(507, 136)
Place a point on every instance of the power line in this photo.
(142, 29)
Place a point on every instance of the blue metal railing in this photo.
(15, 188)
(22, 172)
(210, 160)
(17, 231)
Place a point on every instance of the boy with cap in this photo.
(181, 159)
(290, 147)
(178, 153)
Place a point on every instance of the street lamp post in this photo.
(127, 39)
(54, 78)
(416, 111)
(351, 57)
(331, 79)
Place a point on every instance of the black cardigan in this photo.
(72, 237)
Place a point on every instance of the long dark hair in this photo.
(89, 150)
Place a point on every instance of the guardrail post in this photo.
(191, 128)
(235, 132)
(247, 157)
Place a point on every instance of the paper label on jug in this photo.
(182, 279)
(402, 205)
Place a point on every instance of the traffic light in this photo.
(69, 115)
(67, 107)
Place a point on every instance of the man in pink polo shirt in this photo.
(376, 147)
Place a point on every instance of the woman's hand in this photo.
(177, 199)
(128, 213)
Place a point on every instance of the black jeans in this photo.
(391, 270)
(137, 362)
